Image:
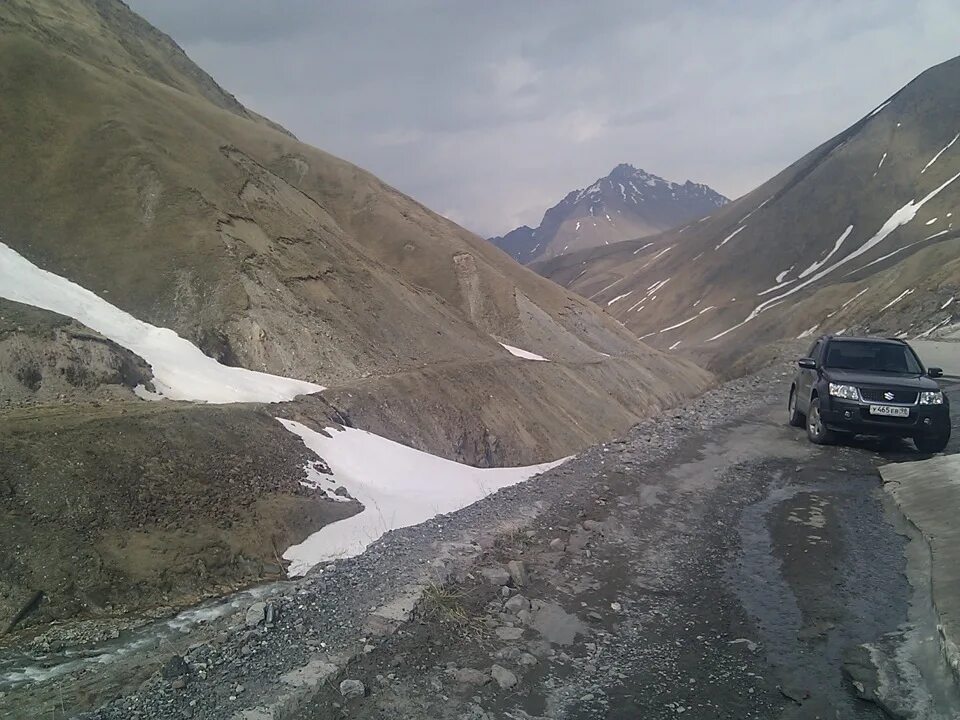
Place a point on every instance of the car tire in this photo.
(795, 417)
(816, 430)
(930, 444)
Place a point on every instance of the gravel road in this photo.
(711, 564)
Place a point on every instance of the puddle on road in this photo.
(867, 585)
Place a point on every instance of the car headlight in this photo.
(931, 398)
(846, 392)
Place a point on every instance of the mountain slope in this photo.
(859, 234)
(628, 203)
(128, 172)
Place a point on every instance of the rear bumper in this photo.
(854, 417)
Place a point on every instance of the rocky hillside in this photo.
(858, 235)
(628, 203)
(129, 172)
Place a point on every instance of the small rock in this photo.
(175, 667)
(518, 572)
(528, 660)
(342, 492)
(178, 683)
(509, 633)
(255, 614)
(495, 575)
(352, 689)
(516, 604)
(509, 653)
(592, 525)
(505, 591)
(503, 677)
(470, 676)
(586, 698)
(595, 616)
(616, 607)
(557, 544)
(794, 692)
(524, 617)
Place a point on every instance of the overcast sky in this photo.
(491, 111)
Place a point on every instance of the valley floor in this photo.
(711, 564)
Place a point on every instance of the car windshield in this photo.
(872, 357)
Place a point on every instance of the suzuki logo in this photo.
(888, 396)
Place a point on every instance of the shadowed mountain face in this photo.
(860, 234)
(628, 203)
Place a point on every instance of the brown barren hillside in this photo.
(860, 234)
(127, 170)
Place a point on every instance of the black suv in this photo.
(869, 386)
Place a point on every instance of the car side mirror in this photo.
(807, 363)
(935, 372)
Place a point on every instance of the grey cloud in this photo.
(490, 112)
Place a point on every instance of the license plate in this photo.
(889, 411)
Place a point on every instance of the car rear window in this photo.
(872, 357)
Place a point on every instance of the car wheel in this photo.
(816, 430)
(929, 444)
(795, 416)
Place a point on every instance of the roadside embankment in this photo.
(928, 493)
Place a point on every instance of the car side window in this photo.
(815, 350)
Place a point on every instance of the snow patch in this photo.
(688, 320)
(729, 237)
(525, 354)
(935, 327)
(937, 156)
(675, 345)
(946, 304)
(642, 248)
(397, 485)
(880, 165)
(931, 221)
(808, 332)
(606, 288)
(620, 297)
(836, 246)
(897, 299)
(896, 252)
(859, 294)
(780, 277)
(180, 370)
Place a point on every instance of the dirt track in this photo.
(738, 579)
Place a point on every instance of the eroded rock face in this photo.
(46, 357)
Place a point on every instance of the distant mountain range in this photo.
(859, 235)
(626, 204)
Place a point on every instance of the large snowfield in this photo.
(181, 371)
(398, 486)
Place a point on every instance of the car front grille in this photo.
(900, 397)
